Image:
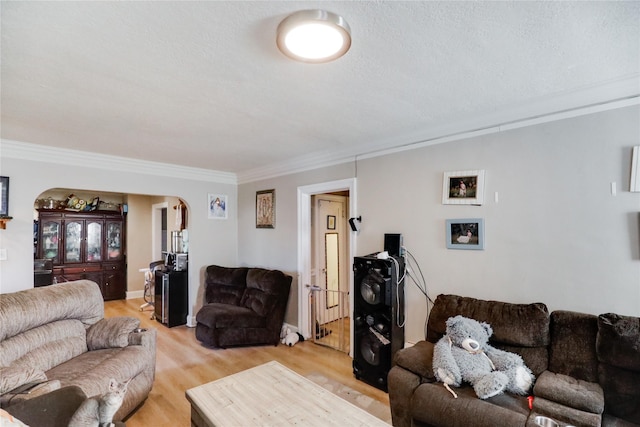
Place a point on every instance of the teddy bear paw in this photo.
(523, 380)
(491, 385)
(447, 377)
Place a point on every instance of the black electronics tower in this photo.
(378, 317)
(171, 301)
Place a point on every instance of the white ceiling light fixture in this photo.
(314, 36)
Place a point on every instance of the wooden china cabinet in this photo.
(85, 245)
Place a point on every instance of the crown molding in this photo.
(618, 93)
(64, 156)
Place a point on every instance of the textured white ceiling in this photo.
(202, 84)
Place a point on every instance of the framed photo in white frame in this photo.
(463, 187)
(217, 206)
(467, 233)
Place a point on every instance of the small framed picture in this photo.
(463, 188)
(217, 206)
(266, 209)
(331, 222)
(465, 233)
(4, 196)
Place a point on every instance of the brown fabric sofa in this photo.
(56, 336)
(587, 369)
(243, 306)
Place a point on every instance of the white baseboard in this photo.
(135, 294)
(191, 321)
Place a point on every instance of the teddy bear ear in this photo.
(453, 320)
(487, 327)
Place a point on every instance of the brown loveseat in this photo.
(56, 336)
(243, 306)
(587, 369)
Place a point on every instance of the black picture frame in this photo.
(4, 196)
(331, 222)
(266, 209)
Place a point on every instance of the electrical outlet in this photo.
(3, 254)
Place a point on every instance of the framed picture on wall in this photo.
(217, 206)
(463, 188)
(465, 233)
(266, 209)
(4, 196)
(331, 222)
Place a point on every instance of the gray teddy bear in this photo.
(464, 354)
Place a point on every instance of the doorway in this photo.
(329, 270)
(159, 229)
(307, 262)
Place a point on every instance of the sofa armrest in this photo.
(144, 337)
(571, 392)
(417, 359)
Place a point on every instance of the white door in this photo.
(331, 255)
(331, 266)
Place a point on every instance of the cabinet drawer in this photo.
(111, 267)
(78, 270)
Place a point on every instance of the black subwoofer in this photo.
(378, 317)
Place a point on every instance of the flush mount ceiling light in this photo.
(314, 36)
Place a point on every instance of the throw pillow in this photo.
(111, 332)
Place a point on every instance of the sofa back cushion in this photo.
(618, 350)
(573, 345)
(265, 290)
(28, 309)
(225, 285)
(519, 328)
(45, 346)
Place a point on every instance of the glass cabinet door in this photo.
(94, 241)
(114, 240)
(72, 241)
(50, 240)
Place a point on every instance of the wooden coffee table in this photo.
(272, 395)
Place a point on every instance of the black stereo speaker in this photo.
(378, 317)
(393, 244)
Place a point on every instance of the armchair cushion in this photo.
(618, 341)
(622, 395)
(523, 325)
(417, 359)
(258, 301)
(111, 332)
(225, 285)
(571, 392)
(220, 316)
(573, 345)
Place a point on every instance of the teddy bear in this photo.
(291, 338)
(464, 354)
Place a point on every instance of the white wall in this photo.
(557, 235)
(215, 241)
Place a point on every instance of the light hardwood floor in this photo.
(182, 363)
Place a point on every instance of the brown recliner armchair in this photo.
(243, 306)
